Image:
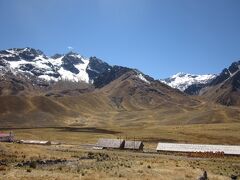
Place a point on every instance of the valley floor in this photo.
(75, 159)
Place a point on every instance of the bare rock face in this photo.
(97, 67)
(110, 75)
(226, 74)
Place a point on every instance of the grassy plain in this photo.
(74, 158)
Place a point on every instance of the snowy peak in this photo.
(71, 66)
(17, 54)
(192, 84)
(182, 81)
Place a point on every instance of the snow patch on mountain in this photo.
(182, 81)
(57, 61)
(140, 76)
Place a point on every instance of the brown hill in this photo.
(226, 92)
(129, 100)
(22, 111)
(130, 92)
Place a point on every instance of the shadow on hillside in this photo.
(87, 130)
(68, 129)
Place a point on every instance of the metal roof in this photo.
(110, 143)
(133, 144)
(227, 149)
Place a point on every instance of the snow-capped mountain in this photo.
(71, 66)
(182, 81)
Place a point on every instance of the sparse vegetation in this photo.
(72, 159)
(33, 164)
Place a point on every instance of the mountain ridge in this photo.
(225, 88)
(71, 66)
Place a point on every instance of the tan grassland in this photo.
(75, 158)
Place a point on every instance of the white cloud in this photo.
(70, 47)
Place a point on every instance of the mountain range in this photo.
(71, 66)
(69, 89)
(222, 88)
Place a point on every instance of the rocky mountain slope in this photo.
(225, 88)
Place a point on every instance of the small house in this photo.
(134, 145)
(6, 137)
(110, 143)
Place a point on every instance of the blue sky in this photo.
(158, 37)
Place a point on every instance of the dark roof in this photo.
(133, 144)
(110, 143)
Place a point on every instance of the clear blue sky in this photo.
(158, 37)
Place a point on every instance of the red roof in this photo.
(4, 135)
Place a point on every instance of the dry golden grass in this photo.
(89, 164)
(94, 117)
(224, 133)
(85, 163)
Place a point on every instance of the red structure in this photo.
(6, 137)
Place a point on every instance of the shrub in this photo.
(90, 155)
(33, 164)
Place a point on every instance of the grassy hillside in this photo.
(125, 102)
